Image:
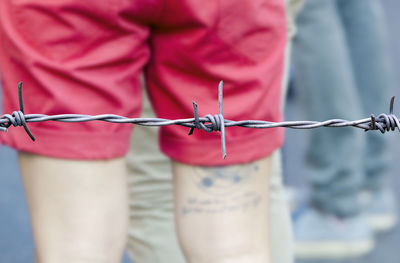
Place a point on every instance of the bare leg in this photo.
(222, 213)
(78, 209)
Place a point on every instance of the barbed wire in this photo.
(209, 123)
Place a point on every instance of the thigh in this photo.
(324, 73)
(222, 213)
(325, 78)
(151, 235)
(367, 40)
(78, 209)
(280, 221)
(365, 30)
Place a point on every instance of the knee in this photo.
(77, 258)
(226, 251)
(242, 256)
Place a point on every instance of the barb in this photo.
(384, 122)
(17, 118)
(217, 121)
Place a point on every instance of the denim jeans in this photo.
(343, 71)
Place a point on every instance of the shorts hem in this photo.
(239, 150)
(64, 145)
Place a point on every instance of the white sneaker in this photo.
(381, 209)
(323, 236)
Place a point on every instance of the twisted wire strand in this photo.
(209, 123)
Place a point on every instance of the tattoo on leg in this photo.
(223, 180)
(224, 188)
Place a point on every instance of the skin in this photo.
(222, 213)
(79, 210)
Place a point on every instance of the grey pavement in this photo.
(16, 244)
(15, 233)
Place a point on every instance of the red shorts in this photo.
(86, 57)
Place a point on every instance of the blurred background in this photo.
(16, 244)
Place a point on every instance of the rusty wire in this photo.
(209, 123)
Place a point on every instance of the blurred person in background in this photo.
(342, 70)
(87, 57)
